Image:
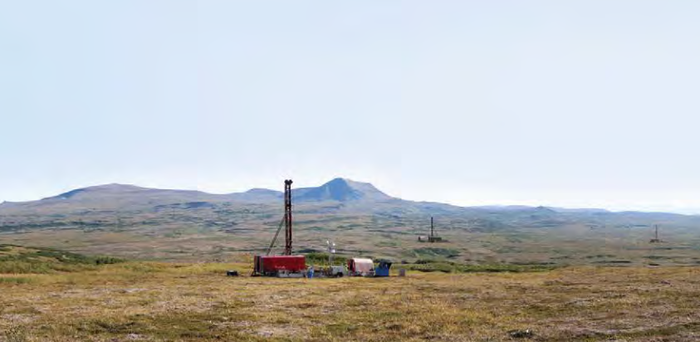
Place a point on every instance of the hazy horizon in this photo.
(582, 104)
(686, 211)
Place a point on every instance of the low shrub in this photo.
(451, 267)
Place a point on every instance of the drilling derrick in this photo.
(288, 217)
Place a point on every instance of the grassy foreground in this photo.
(138, 301)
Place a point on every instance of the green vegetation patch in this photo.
(613, 262)
(15, 280)
(451, 267)
(317, 258)
(436, 252)
(24, 260)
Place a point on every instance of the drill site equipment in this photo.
(286, 265)
(382, 270)
(361, 267)
(656, 235)
(432, 237)
(331, 271)
(337, 271)
(283, 266)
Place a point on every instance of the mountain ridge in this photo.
(339, 189)
(172, 224)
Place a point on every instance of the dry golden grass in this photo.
(195, 302)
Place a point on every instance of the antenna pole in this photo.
(288, 217)
(657, 231)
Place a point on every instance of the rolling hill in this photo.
(132, 221)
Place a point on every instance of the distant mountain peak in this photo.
(342, 190)
(341, 179)
(339, 182)
(346, 182)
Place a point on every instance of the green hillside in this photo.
(19, 260)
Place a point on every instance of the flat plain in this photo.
(150, 301)
(153, 267)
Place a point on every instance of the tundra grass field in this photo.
(144, 301)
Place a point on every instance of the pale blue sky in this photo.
(570, 103)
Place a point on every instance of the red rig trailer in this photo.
(287, 265)
(279, 265)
